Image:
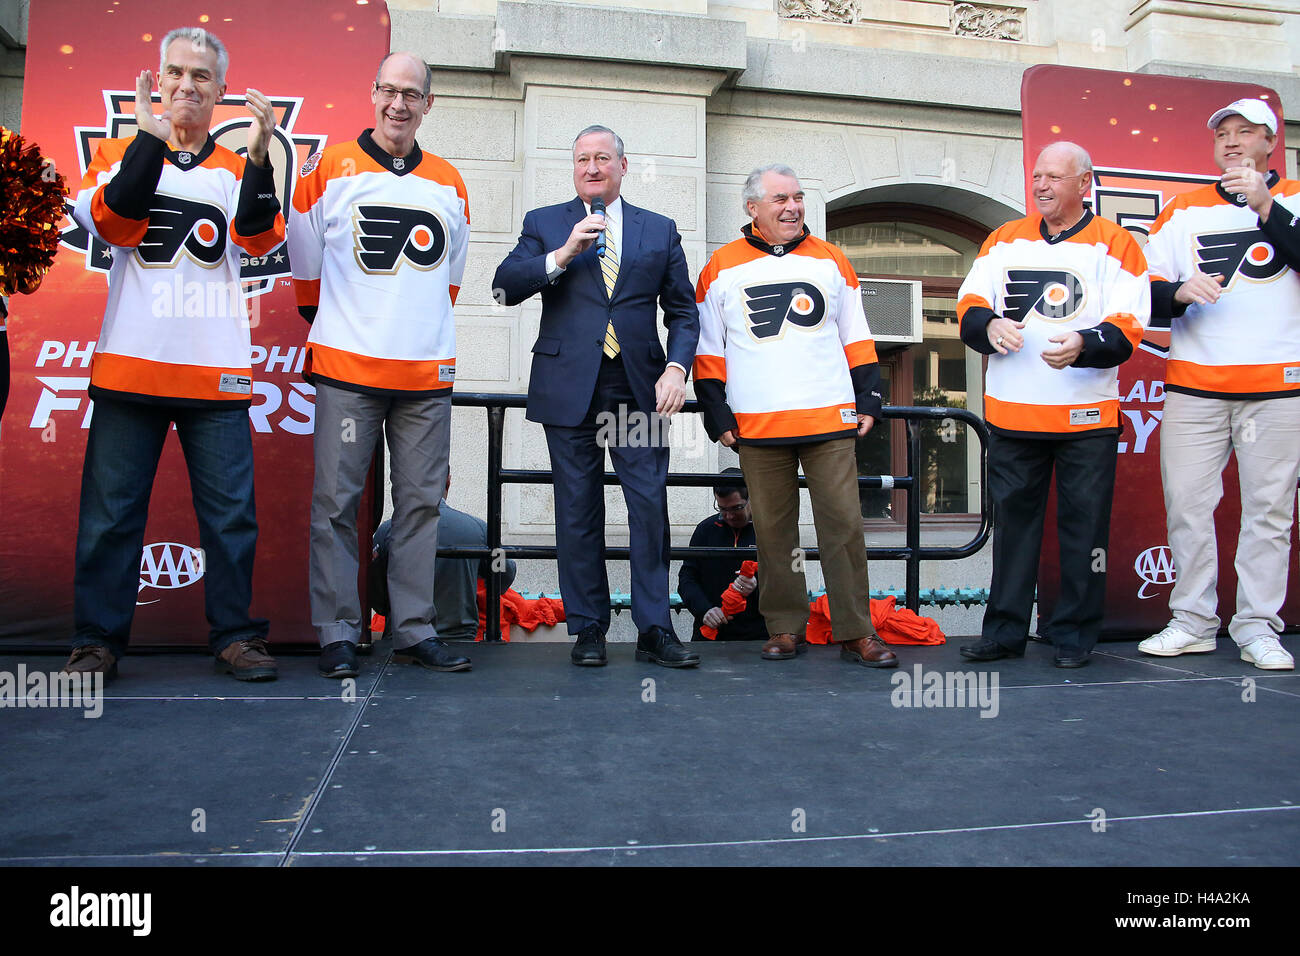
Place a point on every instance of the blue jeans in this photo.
(126, 440)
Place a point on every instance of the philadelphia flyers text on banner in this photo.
(770, 306)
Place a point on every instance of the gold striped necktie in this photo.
(609, 270)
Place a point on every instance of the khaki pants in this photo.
(772, 474)
(1196, 436)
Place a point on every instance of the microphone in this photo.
(598, 206)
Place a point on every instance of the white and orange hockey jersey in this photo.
(378, 245)
(785, 354)
(1247, 344)
(1090, 279)
(176, 326)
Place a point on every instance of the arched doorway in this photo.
(898, 240)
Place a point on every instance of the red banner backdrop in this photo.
(315, 60)
(1149, 142)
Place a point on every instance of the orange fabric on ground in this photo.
(519, 611)
(893, 624)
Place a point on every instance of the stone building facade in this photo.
(901, 116)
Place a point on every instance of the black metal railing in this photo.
(912, 552)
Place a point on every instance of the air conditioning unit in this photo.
(893, 308)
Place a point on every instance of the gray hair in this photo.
(753, 191)
(1082, 161)
(618, 140)
(428, 72)
(202, 40)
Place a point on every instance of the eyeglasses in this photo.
(734, 509)
(409, 97)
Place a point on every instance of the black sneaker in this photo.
(434, 654)
(338, 660)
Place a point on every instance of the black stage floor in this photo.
(528, 760)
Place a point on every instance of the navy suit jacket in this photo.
(576, 310)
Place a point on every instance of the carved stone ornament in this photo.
(835, 11)
(988, 22)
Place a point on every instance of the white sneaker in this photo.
(1173, 641)
(1267, 654)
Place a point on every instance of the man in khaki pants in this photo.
(1223, 261)
(786, 369)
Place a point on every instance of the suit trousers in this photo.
(1196, 436)
(640, 459)
(1020, 472)
(348, 429)
(772, 474)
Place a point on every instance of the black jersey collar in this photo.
(401, 165)
(183, 159)
(1062, 236)
(1237, 200)
(759, 243)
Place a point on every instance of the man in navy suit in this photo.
(597, 363)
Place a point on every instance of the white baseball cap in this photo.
(1257, 111)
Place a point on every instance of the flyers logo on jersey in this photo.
(1231, 253)
(183, 227)
(1052, 294)
(769, 307)
(384, 236)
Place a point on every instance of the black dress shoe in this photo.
(434, 654)
(1071, 659)
(987, 649)
(589, 650)
(663, 648)
(338, 660)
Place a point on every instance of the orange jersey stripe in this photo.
(387, 374)
(1128, 324)
(126, 373)
(710, 366)
(860, 353)
(1052, 419)
(115, 229)
(972, 301)
(306, 291)
(263, 242)
(349, 157)
(1233, 379)
(796, 423)
(735, 253)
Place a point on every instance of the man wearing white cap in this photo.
(1223, 265)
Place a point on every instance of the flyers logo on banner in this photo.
(769, 307)
(383, 236)
(183, 227)
(1133, 199)
(1056, 295)
(1244, 253)
(230, 122)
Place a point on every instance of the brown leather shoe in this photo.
(783, 647)
(869, 652)
(247, 660)
(92, 659)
